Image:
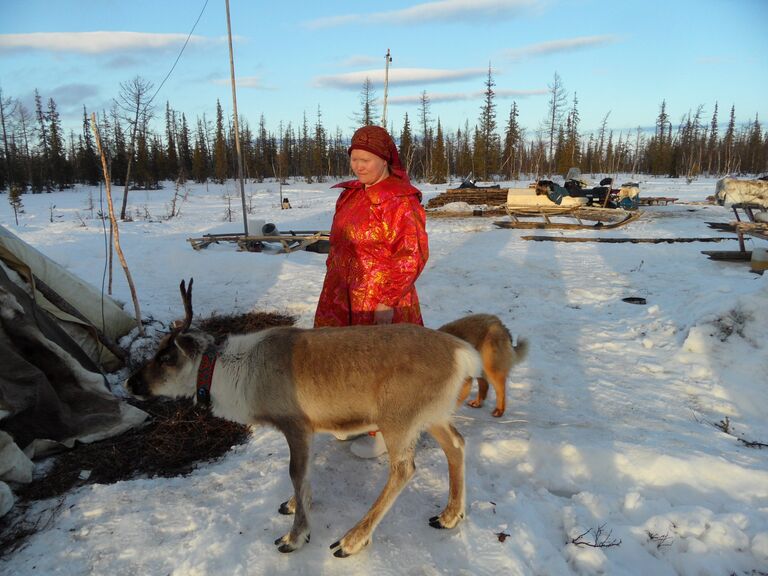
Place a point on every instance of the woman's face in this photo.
(369, 168)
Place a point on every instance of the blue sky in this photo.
(618, 56)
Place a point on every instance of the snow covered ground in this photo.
(611, 431)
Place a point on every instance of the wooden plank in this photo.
(625, 240)
(728, 255)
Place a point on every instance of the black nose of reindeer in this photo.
(136, 385)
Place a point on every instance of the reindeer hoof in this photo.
(442, 524)
(286, 508)
(284, 545)
(497, 413)
(342, 552)
(435, 523)
(474, 404)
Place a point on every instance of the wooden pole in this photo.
(115, 230)
(386, 90)
(237, 130)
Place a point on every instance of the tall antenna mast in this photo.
(237, 129)
(386, 89)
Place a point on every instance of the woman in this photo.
(378, 247)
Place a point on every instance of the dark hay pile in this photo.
(220, 326)
(176, 437)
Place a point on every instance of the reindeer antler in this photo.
(186, 297)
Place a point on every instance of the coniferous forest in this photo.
(145, 144)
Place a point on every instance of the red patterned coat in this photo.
(378, 249)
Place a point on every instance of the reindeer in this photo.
(401, 379)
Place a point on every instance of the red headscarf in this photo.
(376, 140)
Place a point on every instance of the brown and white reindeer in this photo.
(402, 379)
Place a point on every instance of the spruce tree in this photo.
(56, 148)
(439, 162)
(171, 168)
(319, 149)
(200, 159)
(406, 145)
(713, 155)
(729, 141)
(89, 163)
(41, 180)
(487, 140)
(512, 140)
(185, 150)
(220, 162)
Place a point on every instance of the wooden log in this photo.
(625, 240)
(729, 255)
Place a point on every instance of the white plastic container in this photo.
(759, 261)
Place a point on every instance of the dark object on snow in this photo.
(468, 182)
(319, 247)
(606, 181)
(634, 300)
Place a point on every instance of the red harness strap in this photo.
(205, 376)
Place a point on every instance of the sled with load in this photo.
(573, 206)
(268, 236)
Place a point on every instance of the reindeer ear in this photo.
(190, 344)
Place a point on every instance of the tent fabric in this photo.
(52, 392)
(98, 310)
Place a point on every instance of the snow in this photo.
(622, 424)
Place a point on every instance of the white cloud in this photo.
(556, 46)
(398, 76)
(438, 97)
(93, 42)
(439, 11)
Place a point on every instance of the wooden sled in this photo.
(290, 241)
(605, 218)
(656, 200)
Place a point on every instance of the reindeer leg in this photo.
(499, 381)
(466, 388)
(401, 468)
(299, 441)
(482, 392)
(453, 445)
(288, 508)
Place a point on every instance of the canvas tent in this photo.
(53, 350)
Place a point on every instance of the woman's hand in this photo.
(383, 314)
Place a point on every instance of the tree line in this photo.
(37, 155)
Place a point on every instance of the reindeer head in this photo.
(173, 369)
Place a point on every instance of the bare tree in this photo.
(368, 112)
(7, 108)
(134, 101)
(556, 106)
(426, 135)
